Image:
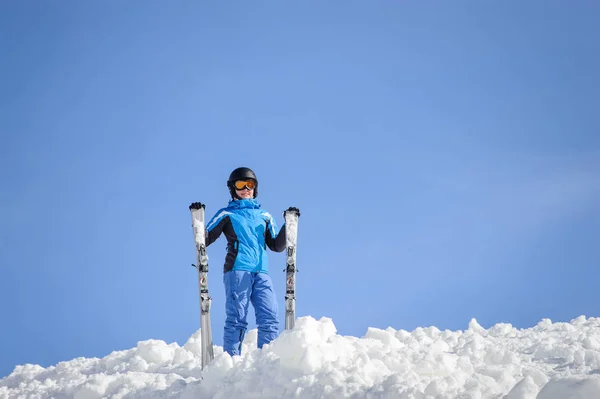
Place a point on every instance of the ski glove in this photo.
(292, 209)
(196, 205)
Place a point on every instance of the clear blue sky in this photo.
(445, 157)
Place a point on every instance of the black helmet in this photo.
(241, 174)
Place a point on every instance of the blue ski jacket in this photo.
(249, 231)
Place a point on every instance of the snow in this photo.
(547, 361)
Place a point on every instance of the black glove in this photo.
(292, 209)
(196, 205)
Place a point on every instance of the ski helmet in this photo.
(241, 173)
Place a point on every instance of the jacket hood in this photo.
(243, 204)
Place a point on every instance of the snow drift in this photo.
(548, 361)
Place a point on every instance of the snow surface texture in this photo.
(548, 361)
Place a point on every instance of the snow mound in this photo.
(548, 361)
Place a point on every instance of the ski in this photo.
(291, 237)
(197, 210)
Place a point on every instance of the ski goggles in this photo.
(241, 184)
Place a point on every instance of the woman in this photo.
(249, 231)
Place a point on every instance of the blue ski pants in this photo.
(241, 289)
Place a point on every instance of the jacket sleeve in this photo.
(215, 227)
(275, 240)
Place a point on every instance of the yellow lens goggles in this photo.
(241, 184)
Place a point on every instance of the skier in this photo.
(249, 231)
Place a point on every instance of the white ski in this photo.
(291, 238)
(197, 210)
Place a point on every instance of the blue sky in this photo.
(445, 157)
